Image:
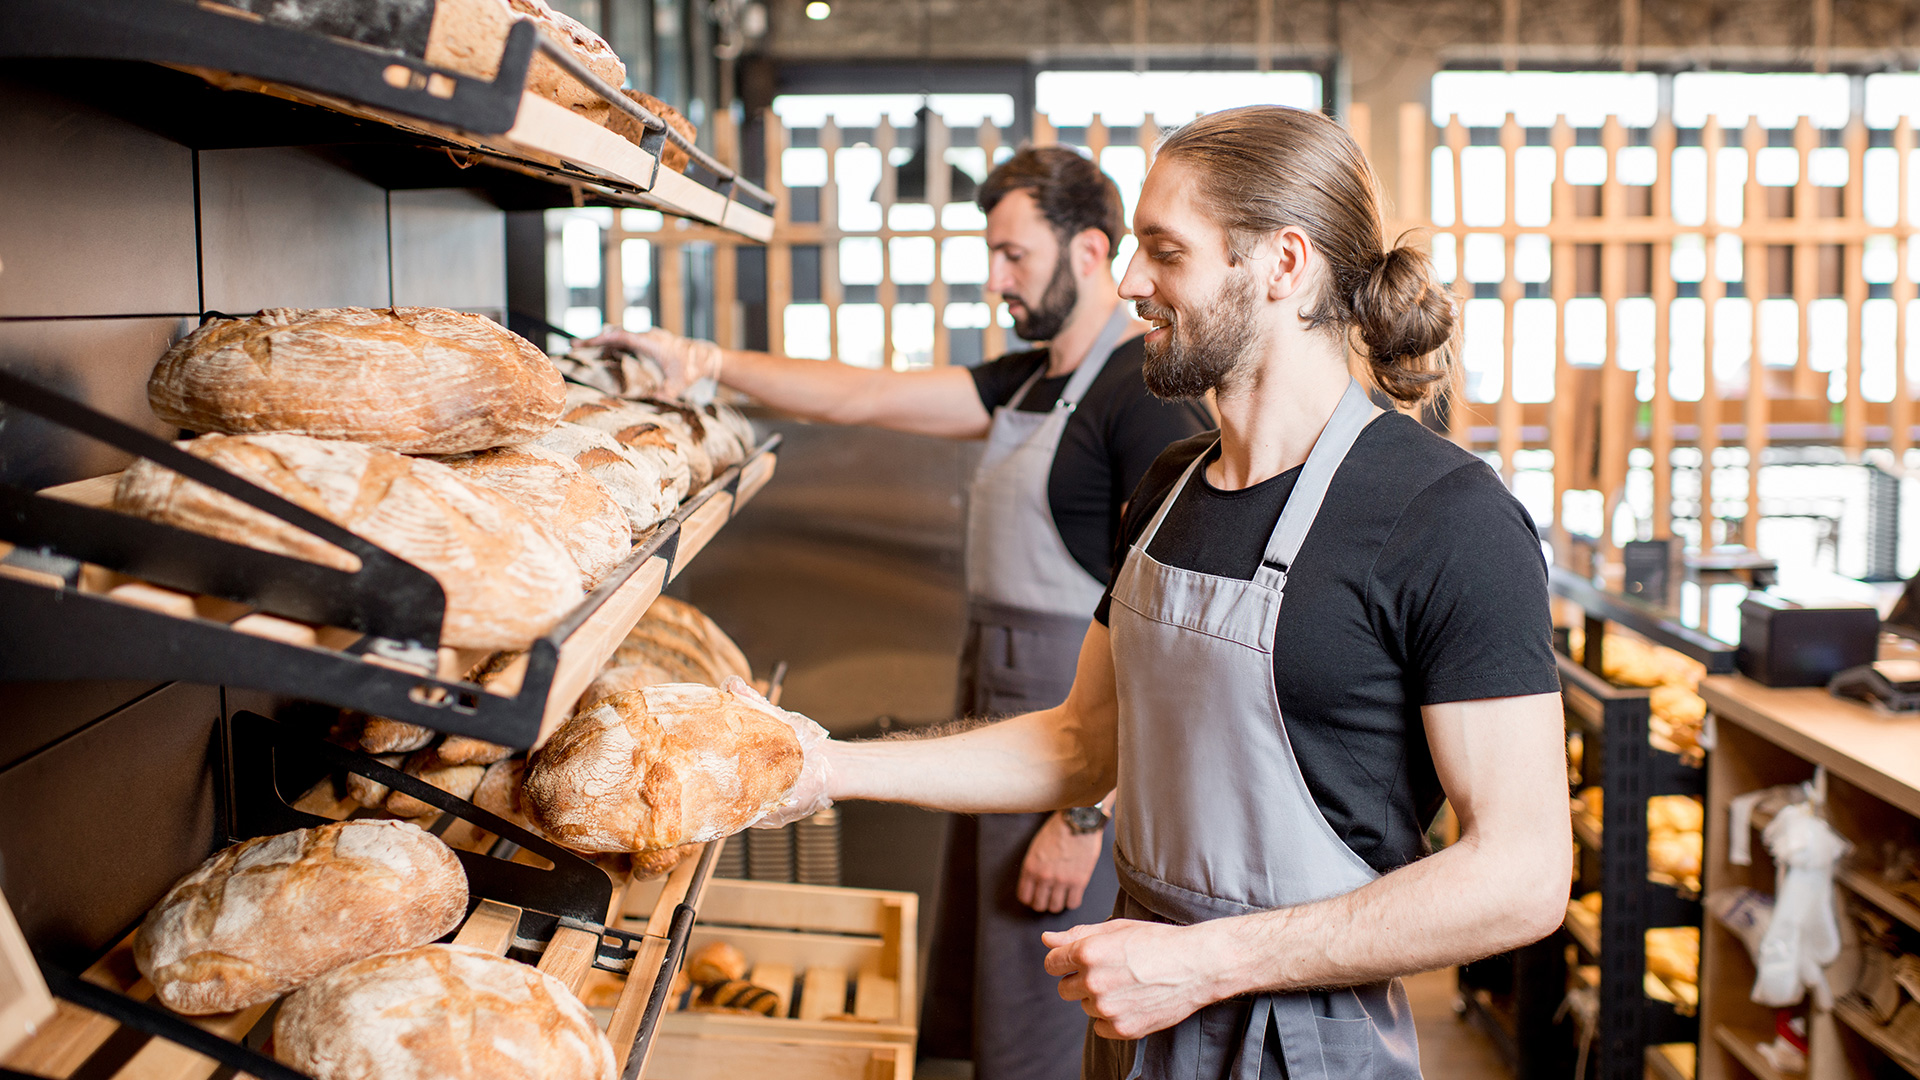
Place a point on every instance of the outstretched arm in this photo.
(1059, 757)
(1503, 885)
(938, 402)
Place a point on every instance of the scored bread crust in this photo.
(440, 1012)
(266, 915)
(644, 485)
(643, 430)
(416, 380)
(575, 509)
(659, 767)
(469, 36)
(506, 580)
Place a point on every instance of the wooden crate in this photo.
(685, 1055)
(842, 960)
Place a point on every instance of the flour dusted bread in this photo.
(469, 36)
(265, 916)
(671, 156)
(440, 1012)
(506, 580)
(416, 380)
(660, 767)
(576, 509)
(674, 633)
(648, 486)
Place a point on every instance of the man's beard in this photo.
(1044, 319)
(1210, 349)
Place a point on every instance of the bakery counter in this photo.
(1863, 766)
(164, 610)
(215, 75)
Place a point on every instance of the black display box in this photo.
(1786, 644)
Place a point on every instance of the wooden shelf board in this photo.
(1873, 751)
(1662, 1066)
(1855, 1017)
(1745, 1048)
(1868, 887)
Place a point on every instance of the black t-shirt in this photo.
(1109, 442)
(1421, 582)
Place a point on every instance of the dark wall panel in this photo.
(283, 227)
(98, 216)
(99, 362)
(119, 811)
(449, 250)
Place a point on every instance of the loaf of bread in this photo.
(740, 995)
(625, 126)
(266, 915)
(720, 442)
(440, 1012)
(660, 767)
(506, 580)
(648, 486)
(379, 735)
(647, 865)
(716, 962)
(678, 636)
(643, 430)
(369, 792)
(458, 780)
(614, 372)
(416, 380)
(576, 509)
(469, 36)
(467, 750)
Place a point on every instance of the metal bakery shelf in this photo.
(554, 917)
(86, 593)
(445, 121)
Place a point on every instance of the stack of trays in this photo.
(770, 854)
(816, 843)
(732, 861)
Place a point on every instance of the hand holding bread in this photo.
(808, 795)
(684, 361)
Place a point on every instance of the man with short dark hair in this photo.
(1070, 430)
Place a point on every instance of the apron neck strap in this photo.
(1166, 504)
(1316, 476)
(1090, 366)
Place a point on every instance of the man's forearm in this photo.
(832, 392)
(1039, 761)
(1461, 904)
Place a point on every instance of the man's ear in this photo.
(1089, 251)
(1290, 256)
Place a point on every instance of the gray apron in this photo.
(1214, 817)
(989, 997)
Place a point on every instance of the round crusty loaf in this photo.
(416, 380)
(576, 509)
(506, 580)
(643, 484)
(469, 36)
(264, 916)
(660, 767)
(675, 634)
(440, 1012)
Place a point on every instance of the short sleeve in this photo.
(1461, 590)
(999, 379)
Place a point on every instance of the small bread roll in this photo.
(467, 750)
(716, 962)
(380, 735)
(440, 1011)
(743, 996)
(266, 915)
(661, 767)
(456, 780)
(371, 793)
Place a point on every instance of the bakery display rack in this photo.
(94, 594)
(1516, 997)
(215, 75)
(529, 899)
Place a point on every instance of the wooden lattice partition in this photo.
(1610, 240)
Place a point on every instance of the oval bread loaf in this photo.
(645, 432)
(506, 580)
(660, 767)
(575, 509)
(264, 916)
(469, 36)
(440, 1012)
(416, 380)
(644, 485)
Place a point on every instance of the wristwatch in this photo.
(1082, 820)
